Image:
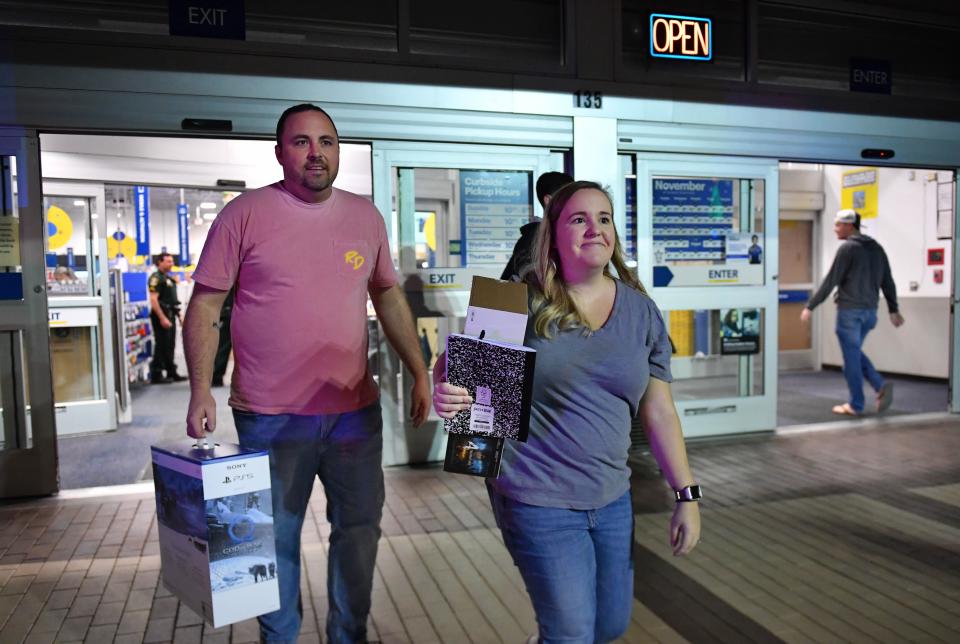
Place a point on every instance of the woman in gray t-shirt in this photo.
(562, 499)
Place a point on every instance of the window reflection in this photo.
(717, 353)
(68, 245)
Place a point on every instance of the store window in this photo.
(461, 218)
(717, 353)
(71, 266)
(708, 231)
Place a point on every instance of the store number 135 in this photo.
(588, 99)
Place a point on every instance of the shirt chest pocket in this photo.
(353, 259)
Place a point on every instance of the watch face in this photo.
(689, 493)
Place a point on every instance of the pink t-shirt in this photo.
(299, 323)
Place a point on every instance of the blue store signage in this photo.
(183, 227)
(789, 296)
(493, 206)
(208, 19)
(11, 286)
(691, 219)
(141, 206)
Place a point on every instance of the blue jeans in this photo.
(853, 325)
(577, 566)
(344, 451)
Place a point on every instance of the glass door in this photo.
(707, 250)
(453, 212)
(80, 318)
(28, 442)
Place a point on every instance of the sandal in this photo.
(845, 410)
(885, 397)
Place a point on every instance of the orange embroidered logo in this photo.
(353, 258)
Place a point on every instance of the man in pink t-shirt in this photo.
(303, 257)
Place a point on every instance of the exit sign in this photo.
(683, 37)
(208, 18)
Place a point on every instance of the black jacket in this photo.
(860, 270)
(522, 251)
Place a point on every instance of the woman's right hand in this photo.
(449, 399)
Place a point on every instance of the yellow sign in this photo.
(120, 244)
(59, 228)
(859, 191)
(430, 231)
(9, 241)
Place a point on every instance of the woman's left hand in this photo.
(685, 528)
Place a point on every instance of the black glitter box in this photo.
(499, 376)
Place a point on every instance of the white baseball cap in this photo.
(847, 216)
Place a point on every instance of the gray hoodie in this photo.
(860, 270)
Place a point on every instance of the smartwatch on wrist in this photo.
(688, 494)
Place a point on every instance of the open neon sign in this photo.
(681, 37)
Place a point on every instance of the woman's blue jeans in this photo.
(853, 325)
(344, 451)
(577, 566)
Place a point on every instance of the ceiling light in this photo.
(79, 202)
(209, 215)
(94, 216)
(207, 205)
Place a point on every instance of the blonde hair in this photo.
(552, 305)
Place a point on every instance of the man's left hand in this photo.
(896, 319)
(420, 400)
(805, 315)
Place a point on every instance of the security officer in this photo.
(164, 310)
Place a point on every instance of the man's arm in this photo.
(158, 311)
(890, 292)
(831, 281)
(397, 321)
(201, 335)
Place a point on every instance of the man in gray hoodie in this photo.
(860, 270)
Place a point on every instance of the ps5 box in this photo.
(215, 519)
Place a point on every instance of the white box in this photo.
(215, 518)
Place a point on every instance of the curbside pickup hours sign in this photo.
(683, 37)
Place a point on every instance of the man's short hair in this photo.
(848, 216)
(296, 109)
(550, 182)
(161, 256)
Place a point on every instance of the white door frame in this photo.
(732, 415)
(100, 414)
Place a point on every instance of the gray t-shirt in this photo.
(586, 390)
